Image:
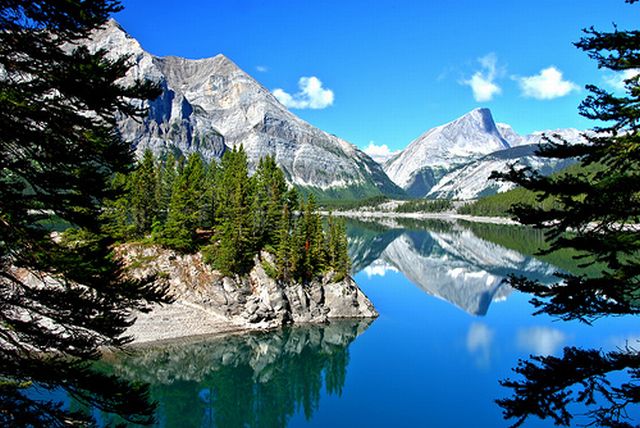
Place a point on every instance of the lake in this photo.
(449, 330)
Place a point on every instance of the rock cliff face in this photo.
(455, 160)
(427, 158)
(209, 104)
(208, 302)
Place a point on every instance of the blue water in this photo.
(433, 358)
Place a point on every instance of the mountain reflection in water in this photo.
(447, 260)
(249, 380)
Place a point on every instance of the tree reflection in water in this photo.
(599, 204)
(250, 380)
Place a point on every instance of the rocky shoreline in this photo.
(208, 303)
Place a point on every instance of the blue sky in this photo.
(385, 71)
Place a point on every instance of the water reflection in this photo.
(445, 259)
(251, 380)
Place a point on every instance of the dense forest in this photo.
(189, 205)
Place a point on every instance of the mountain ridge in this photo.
(210, 104)
(455, 160)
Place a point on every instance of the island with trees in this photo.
(237, 251)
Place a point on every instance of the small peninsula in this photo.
(235, 251)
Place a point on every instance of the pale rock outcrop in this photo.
(208, 302)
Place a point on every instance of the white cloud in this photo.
(616, 81)
(540, 340)
(546, 85)
(311, 95)
(482, 82)
(479, 341)
(378, 270)
(262, 68)
(380, 153)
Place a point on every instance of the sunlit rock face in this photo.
(471, 180)
(208, 105)
(427, 158)
(455, 160)
(208, 302)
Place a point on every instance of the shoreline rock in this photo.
(208, 303)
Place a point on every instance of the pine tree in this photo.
(233, 249)
(210, 197)
(167, 173)
(600, 206)
(283, 251)
(179, 232)
(59, 150)
(143, 194)
(268, 200)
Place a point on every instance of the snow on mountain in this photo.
(471, 181)
(430, 156)
(509, 134)
(209, 104)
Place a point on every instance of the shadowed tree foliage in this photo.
(58, 152)
(601, 208)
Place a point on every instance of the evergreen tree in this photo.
(183, 217)
(599, 206)
(166, 177)
(116, 214)
(233, 249)
(269, 197)
(59, 150)
(144, 205)
(210, 197)
(337, 248)
(283, 251)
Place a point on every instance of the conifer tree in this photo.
(233, 249)
(167, 173)
(143, 194)
(179, 232)
(210, 197)
(116, 214)
(59, 150)
(268, 200)
(601, 207)
(283, 251)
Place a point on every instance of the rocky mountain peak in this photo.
(419, 167)
(209, 104)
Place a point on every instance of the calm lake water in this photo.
(449, 330)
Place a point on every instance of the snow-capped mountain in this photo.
(430, 156)
(209, 104)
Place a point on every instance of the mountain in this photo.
(455, 160)
(210, 104)
(446, 260)
(429, 157)
(471, 180)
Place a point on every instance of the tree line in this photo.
(190, 205)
